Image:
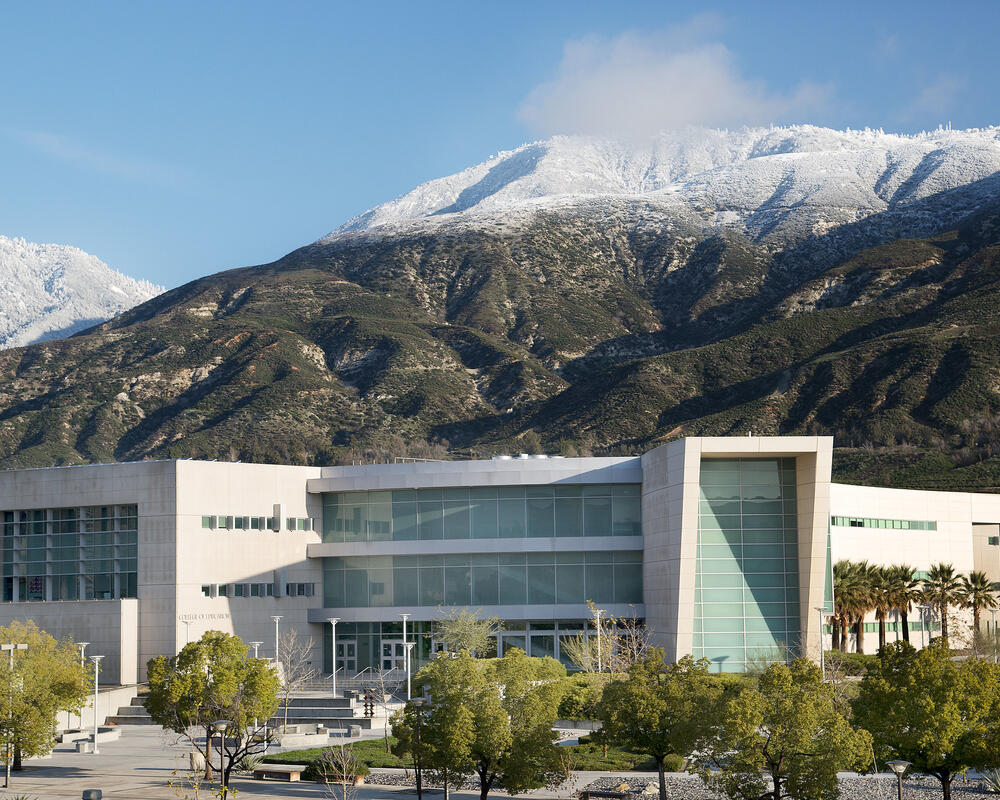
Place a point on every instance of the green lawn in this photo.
(584, 757)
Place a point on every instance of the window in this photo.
(482, 512)
(208, 522)
(892, 524)
(994, 540)
(206, 590)
(300, 589)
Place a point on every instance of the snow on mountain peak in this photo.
(48, 291)
(735, 172)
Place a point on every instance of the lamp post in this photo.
(409, 647)
(419, 760)
(10, 744)
(83, 648)
(276, 620)
(822, 655)
(597, 625)
(899, 767)
(406, 652)
(97, 669)
(256, 646)
(923, 623)
(333, 650)
(993, 635)
(187, 630)
(219, 727)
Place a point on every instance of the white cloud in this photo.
(134, 169)
(636, 85)
(888, 47)
(938, 96)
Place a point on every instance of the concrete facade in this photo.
(228, 546)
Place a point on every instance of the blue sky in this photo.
(177, 139)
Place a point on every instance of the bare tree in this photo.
(581, 650)
(464, 629)
(295, 657)
(614, 645)
(338, 769)
(383, 687)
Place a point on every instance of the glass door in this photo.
(346, 661)
(393, 654)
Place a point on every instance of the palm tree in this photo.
(852, 598)
(864, 601)
(904, 590)
(881, 596)
(844, 601)
(943, 588)
(977, 594)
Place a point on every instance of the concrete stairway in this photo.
(134, 714)
(332, 712)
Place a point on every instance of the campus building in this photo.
(723, 546)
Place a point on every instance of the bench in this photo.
(280, 772)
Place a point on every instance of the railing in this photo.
(392, 681)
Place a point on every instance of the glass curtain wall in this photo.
(88, 553)
(363, 645)
(483, 579)
(487, 512)
(746, 607)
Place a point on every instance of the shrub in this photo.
(544, 668)
(849, 663)
(581, 694)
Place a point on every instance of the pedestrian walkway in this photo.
(141, 764)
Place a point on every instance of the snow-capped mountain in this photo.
(48, 291)
(785, 181)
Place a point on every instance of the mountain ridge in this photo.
(50, 291)
(583, 324)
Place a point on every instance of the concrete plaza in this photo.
(141, 764)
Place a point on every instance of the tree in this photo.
(338, 768)
(977, 594)
(923, 707)
(943, 588)
(407, 727)
(494, 720)
(789, 728)
(881, 597)
(659, 709)
(904, 590)
(852, 600)
(615, 645)
(47, 679)
(463, 629)
(532, 760)
(295, 657)
(209, 680)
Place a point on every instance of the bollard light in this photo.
(899, 767)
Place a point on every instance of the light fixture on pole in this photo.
(10, 745)
(409, 647)
(256, 647)
(406, 653)
(993, 636)
(333, 650)
(822, 656)
(83, 648)
(187, 630)
(418, 704)
(899, 767)
(923, 623)
(97, 669)
(219, 727)
(597, 625)
(276, 620)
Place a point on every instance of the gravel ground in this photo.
(690, 787)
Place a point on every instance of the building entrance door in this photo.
(393, 654)
(346, 661)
